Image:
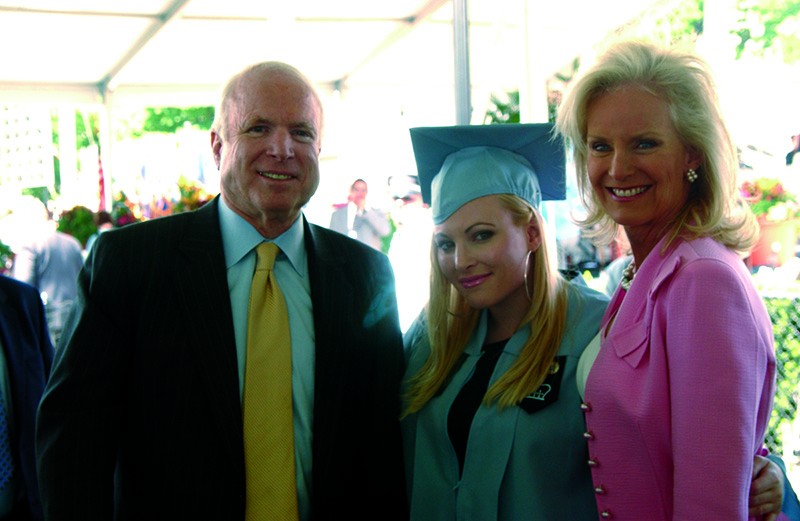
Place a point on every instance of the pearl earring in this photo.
(691, 175)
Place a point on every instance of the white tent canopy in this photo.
(90, 50)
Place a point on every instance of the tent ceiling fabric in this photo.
(81, 50)
(87, 45)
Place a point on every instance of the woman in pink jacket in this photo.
(680, 394)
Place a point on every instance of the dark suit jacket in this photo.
(28, 353)
(142, 415)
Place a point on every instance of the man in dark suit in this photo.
(26, 355)
(142, 417)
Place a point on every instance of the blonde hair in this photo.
(684, 81)
(451, 322)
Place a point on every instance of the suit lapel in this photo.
(331, 291)
(631, 333)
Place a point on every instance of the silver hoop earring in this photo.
(527, 267)
(691, 175)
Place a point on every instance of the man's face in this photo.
(268, 148)
(358, 194)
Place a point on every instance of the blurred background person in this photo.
(795, 149)
(48, 260)
(104, 222)
(356, 220)
(408, 251)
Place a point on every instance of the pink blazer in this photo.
(680, 395)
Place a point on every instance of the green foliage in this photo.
(154, 119)
(87, 136)
(42, 193)
(78, 222)
(171, 119)
(677, 23)
(56, 160)
(6, 257)
(54, 127)
(565, 76)
(685, 21)
(785, 314)
(386, 241)
(765, 23)
(56, 174)
(503, 110)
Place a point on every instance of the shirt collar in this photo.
(239, 237)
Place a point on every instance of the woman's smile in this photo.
(473, 281)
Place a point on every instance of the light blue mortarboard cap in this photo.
(460, 163)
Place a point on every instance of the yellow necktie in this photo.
(267, 402)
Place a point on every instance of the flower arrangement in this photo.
(769, 200)
(192, 196)
(188, 195)
(124, 211)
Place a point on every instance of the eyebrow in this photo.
(467, 229)
(292, 128)
(260, 120)
(479, 223)
(646, 134)
(305, 125)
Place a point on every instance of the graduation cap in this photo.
(460, 163)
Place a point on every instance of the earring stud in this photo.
(691, 175)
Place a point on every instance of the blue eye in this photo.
(444, 246)
(304, 134)
(483, 235)
(598, 146)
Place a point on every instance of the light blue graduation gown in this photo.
(519, 464)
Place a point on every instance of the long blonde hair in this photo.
(451, 322)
